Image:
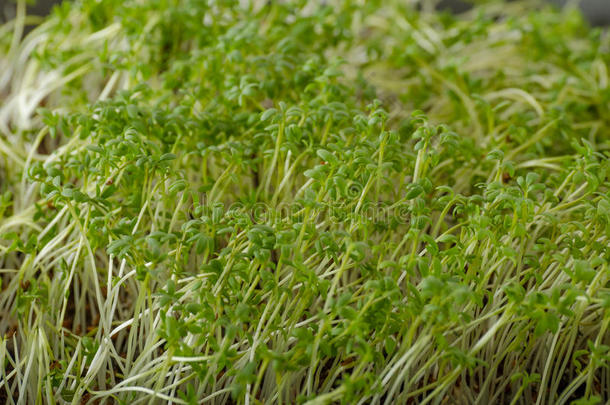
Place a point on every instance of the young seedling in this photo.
(297, 202)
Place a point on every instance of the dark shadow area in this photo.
(596, 11)
(454, 6)
(41, 8)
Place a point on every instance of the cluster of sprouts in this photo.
(358, 202)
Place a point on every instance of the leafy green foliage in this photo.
(291, 202)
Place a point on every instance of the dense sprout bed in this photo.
(287, 202)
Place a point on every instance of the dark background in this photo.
(597, 11)
(39, 7)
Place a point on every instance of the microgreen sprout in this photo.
(304, 202)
